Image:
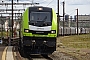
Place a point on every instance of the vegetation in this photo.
(76, 41)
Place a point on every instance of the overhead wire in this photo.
(42, 1)
(73, 11)
(50, 2)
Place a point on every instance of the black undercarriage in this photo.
(38, 45)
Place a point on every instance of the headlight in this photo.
(26, 30)
(52, 31)
(40, 8)
(44, 41)
(33, 41)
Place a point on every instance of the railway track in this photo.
(32, 57)
(16, 53)
(39, 57)
(54, 56)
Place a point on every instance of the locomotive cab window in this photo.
(40, 17)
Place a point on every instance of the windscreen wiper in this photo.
(44, 19)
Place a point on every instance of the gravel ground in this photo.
(73, 54)
(62, 56)
(65, 53)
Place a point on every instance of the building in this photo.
(67, 17)
(83, 20)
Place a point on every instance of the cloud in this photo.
(78, 2)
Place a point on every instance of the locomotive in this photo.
(39, 30)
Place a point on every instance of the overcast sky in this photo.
(70, 5)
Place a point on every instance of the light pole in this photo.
(77, 22)
(63, 16)
(12, 18)
(58, 17)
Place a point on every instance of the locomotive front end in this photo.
(39, 30)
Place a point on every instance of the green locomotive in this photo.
(39, 30)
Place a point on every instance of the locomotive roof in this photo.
(36, 8)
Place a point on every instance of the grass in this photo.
(75, 41)
(75, 45)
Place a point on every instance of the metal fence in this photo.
(73, 31)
